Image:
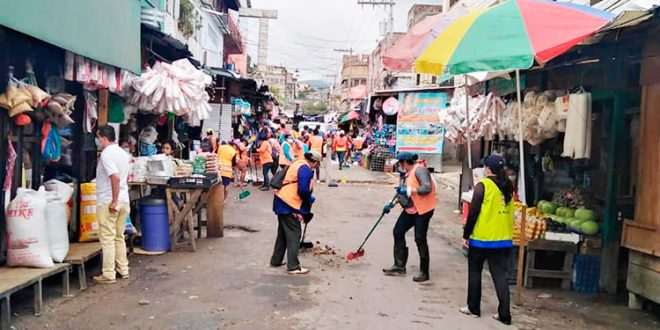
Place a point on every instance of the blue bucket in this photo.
(155, 224)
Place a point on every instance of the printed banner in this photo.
(418, 124)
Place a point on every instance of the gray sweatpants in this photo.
(288, 240)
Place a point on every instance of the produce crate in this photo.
(586, 273)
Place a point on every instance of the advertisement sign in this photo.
(418, 124)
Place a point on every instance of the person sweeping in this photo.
(418, 200)
(292, 204)
(488, 235)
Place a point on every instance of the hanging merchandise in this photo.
(11, 162)
(94, 75)
(391, 106)
(115, 109)
(27, 237)
(177, 88)
(51, 147)
(91, 113)
(577, 142)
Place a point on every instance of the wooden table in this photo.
(186, 204)
(15, 279)
(79, 254)
(565, 274)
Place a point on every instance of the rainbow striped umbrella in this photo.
(511, 35)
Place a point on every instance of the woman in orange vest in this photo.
(292, 204)
(226, 162)
(339, 147)
(315, 143)
(265, 151)
(417, 198)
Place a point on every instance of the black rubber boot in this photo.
(424, 260)
(400, 260)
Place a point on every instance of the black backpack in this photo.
(277, 181)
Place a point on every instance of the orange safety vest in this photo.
(226, 154)
(316, 143)
(341, 143)
(289, 191)
(425, 203)
(301, 151)
(358, 143)
(265, 152)
(283, 159)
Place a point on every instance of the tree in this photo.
(276, 93)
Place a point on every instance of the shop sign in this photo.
(418, 124)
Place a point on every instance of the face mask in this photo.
(290, 141)
(97, 142)
(127, 150)
(512, 178)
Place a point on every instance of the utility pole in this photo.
(350, 70)
(390, 13)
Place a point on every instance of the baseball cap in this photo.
(404, 155)
(209, 131)
(313, 156)
(494, 162)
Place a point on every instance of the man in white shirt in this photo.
(112, 205)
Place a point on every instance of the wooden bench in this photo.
(79, 254)
(15, 279)
(565, 273)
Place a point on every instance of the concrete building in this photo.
(278, 78)
(418, 12)
(382, 79)
(355, 68)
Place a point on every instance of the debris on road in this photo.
(144, 302)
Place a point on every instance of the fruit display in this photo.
(573, 198)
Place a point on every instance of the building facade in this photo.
(379, 77)
(280, 81)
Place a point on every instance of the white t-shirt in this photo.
(113, 160)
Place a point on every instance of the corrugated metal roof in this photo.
(619, 6)
(478, 3)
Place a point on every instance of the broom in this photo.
(360, 251)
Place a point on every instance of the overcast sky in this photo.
(307, 31)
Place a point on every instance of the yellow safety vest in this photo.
(494, 228)
(226, 154)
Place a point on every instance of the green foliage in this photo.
(277, 93)
(186, 18)
(315, 108)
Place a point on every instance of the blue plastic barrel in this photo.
(155, 224)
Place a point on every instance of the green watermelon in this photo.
(589, 227)
(561, 211)
(569, 212)
(585, 214)
(549, 208)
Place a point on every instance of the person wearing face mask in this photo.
(416, 195)
(287, 157)
(113, 205)
(488, 234)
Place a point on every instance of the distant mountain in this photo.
(318, 84)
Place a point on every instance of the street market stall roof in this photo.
(350, 116)
(110, 36)
(164, 47)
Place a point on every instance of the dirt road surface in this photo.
(227, 283)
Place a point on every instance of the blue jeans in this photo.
(340, 158)
(266, 171)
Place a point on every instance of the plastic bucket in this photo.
(155, 224)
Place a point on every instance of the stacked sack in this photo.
(19, 100)
(183, 168)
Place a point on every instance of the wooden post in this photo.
(214, 211)
(521, 257)
(611, 227)
(103, 107)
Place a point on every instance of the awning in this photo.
(222, 72)
(233, 4)
(105, 31)
(350, 116)
(165, 47)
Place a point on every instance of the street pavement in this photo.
(227, 283)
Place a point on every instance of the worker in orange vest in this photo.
(265, 151)
(292, 204)
(340, 146)
(315, 143)
(416, 195)
(226, 162)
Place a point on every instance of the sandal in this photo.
(466, 310)
(496, 317)
(299, 271)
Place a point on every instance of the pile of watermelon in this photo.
(580, 220)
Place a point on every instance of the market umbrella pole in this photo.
(467, 118)
(522, 196)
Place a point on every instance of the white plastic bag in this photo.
(56, 225)
(26, 230)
